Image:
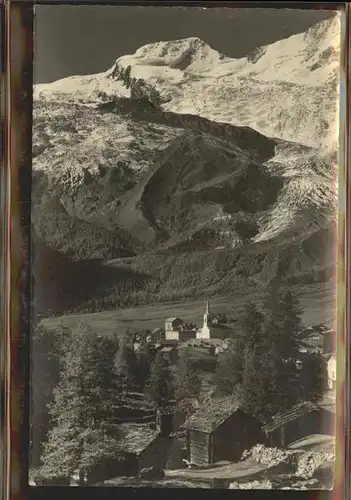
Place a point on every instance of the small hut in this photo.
(301, 421)
(220, 431)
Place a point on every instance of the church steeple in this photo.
(208, 306)
(205, 332)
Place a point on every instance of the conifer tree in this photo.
(282, 324)
(161, 382)
(46, 360)
(229, 370)
(82, 434)
(188, 384)
(313, 378)
(252, 325)
(127, 367)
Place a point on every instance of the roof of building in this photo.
(294, 413)
(158, 330)
(203, 342)
(218, 331)
(212, 415)
(135, 438)
(168, 342)
(170, 320)
(168, 348)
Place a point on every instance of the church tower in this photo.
(205, 332)
(207, 313)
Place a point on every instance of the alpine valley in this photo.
(181, 172)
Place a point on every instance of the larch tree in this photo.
(126, 365)
(229, 370)
(188, 380)
(257, 390)
(46, 361)
(252, 320)
(313, 378)
(161, 383)
(82, 434)
(282, 324)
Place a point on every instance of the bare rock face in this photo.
(227, 160)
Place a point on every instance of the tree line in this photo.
(96, 376)
(263, 366)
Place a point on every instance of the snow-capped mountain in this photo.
(285, 90)
(181, 149)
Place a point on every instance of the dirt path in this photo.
(227, 471)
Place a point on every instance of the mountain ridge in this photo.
(123, 173)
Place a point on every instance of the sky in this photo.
(79, 40)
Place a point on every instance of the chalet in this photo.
(304, 419)
(331, 371)
(141, 446)
(212, 346)
(220, 431)
(176, 329)
(314, 340)
(172, 325)
(170, 353)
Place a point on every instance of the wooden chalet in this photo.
(170, 353)
(301, 421)
(141, 446)
(220, 431)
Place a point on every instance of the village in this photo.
(210, 431)
(201, 438)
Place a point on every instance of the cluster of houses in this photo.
(218, 430)
(320, 340)
(213, 337)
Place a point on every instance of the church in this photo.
(211, 328)
(214, 327)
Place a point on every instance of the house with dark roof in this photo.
(212, 345)
(170, 353)
(176, 329)
(220, 431)
(302, 420)
(141, 446)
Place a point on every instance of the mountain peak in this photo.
(177, 54)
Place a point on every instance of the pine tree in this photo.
(127, 367)
(257, 390)
(252, 325)
(82, 433)
(229, 368)
(282, 324)
(188, 383)
(46, 361)
(313, 378)
(161, 382)
(143, 358)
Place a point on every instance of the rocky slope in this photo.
(227, 163)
